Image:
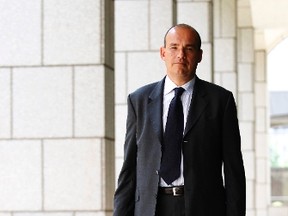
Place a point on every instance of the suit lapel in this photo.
(155, 104)
(197, 106)
(155, 108)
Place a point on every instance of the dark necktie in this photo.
(172, 141)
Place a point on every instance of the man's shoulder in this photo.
(147, 89)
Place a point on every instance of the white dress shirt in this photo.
(186, 97)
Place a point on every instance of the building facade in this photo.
(66, 68)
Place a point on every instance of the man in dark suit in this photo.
(207, 177)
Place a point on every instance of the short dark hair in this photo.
(183, 25)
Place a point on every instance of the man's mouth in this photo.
(180, 63)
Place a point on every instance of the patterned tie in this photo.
(172, 142)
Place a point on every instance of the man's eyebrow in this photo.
(191, 45)
(173, 44)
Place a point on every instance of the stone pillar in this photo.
(262, 122)
(199, 15)
(225, 33)
(56, 107)
(246, 94)
(246, 105)
(139, 32)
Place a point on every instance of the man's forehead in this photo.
(180, 39)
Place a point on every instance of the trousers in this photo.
(168, 205)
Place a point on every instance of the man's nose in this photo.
(181, 53)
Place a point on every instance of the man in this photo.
(194, 184)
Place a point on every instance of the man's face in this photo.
(181, 54)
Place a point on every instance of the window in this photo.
(279, 165)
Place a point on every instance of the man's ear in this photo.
(162, 53)
(200, 56)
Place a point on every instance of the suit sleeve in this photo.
(124, 198)
(235, 185)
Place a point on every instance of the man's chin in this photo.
(182, 72)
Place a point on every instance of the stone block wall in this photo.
(56, 108)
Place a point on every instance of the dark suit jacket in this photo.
(211, 141)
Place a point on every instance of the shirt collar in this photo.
(170, 85)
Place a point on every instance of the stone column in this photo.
(139, 32)
(199, 15)
(56, 107)
(262, 122)
(225, 35)
(246, 95)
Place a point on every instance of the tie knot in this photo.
(179, 91)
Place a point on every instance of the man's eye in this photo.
(190, 48)
(173, 47)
